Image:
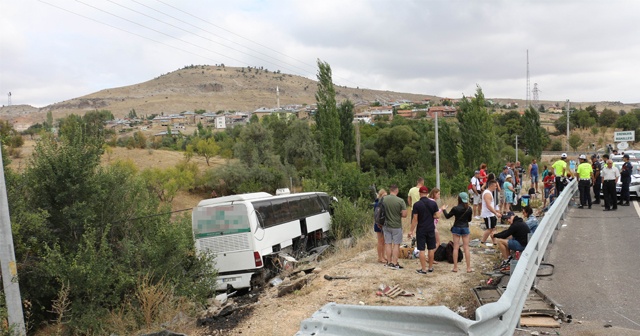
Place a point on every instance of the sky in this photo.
(582, 50)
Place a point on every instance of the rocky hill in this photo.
(215, 88)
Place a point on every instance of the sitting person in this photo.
(519, 233)
(532, 221)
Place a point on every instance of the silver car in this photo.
(634, 187)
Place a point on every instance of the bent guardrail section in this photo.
(497, 318)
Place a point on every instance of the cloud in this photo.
(578, 50)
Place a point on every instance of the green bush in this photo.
(351, 219)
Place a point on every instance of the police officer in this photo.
(625, 177)
(597, 181)
(560, 168)
(585, 181)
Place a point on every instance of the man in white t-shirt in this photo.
(489, 212)
(475, 190)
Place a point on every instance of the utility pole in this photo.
(8, 260)
(568, 107)
(516, 148)
(437, 154)
(358, 143)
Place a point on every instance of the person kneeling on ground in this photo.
(532, 221)
(519, 233)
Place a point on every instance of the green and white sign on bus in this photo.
(624, 136)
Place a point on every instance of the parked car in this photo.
(634, 187)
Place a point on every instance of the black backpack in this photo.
(449, 252)
(441, 253)
(379, 215)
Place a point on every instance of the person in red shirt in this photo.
(483, 173)
(549, 182)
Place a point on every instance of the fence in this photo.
(497, 318)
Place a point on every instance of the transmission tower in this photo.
(527, 103)
(536, 98)
(9, 103)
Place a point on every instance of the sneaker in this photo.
(505, 268)
(419, 271)
(477, 217)
(504, 263)
(397, 266)
(390, 265)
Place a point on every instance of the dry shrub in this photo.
(155, 307)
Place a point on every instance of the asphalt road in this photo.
(597, 271)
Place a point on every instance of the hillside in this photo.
(215, 88)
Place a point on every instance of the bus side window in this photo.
(265, 213)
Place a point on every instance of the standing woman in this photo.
(508, 193)
(483, 174)
(434, 195)
(378, 230)
(460, 229)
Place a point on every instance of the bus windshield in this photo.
(220, 220)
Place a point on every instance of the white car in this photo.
(634, 187)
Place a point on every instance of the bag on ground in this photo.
(441, 253)
(449, 252)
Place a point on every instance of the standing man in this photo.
(414, 194)
(489, 212)
(395, 209)
(585, 181)
(424, 212)
(625, 176)
(610, 176)
(533, 173)
(560, 168)
(597, 178)
(476, 190)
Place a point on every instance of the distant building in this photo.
(444, 111)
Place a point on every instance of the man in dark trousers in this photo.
(597, 178)
(424, 212)
(610, 176)
(519, 232)
(625, 177)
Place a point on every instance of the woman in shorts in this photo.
(460, 229)
(378, 230)
(508, 193)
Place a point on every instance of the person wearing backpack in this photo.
(394, 210)
(377, 228)
(460, 229)
(423, 228)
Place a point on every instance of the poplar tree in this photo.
(327, 119)
(347, 134)
(532, 132)
(478, 139)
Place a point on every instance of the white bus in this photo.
(246, 232)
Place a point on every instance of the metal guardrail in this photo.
(497, 318)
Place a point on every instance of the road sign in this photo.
(622, 145)
(624, 136)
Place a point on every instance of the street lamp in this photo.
(437, 154)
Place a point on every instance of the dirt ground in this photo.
(272, 315)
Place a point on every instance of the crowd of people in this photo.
(492, 199)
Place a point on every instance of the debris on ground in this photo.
(392, 292)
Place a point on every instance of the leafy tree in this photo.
(561, 124)
(255, 145)
(327, 119)
(132, 114)
(478, 140)
(608, 117)
(207, 148)
(399, 147)
(140, 140)
(449, 140)
(575, 141)
(532, 132)
(165, 183)
(300, 147)
(628, 122)
(347, 135)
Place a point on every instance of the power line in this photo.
(128, 32)
(221, 37)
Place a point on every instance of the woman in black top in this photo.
(460, 229)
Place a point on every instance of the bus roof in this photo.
(251, 197)
(232, 198)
